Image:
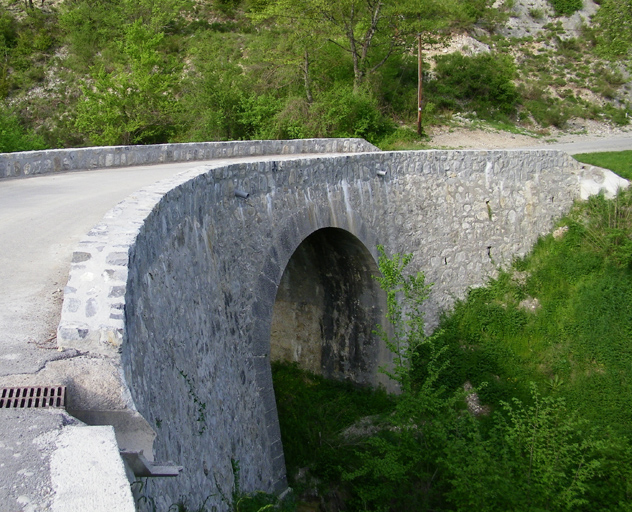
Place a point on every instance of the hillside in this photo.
(78, 73)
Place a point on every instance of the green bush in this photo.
(335, 112)
(536, 457)
(133, 104)
(343, 112)
(483, 83)
(566, 7)
(402, 139)
(8, 29)
(215, 96)
(14, 136)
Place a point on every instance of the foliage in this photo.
(134, 103)
(240, 501)
(24, 45)
(606, 226)
(14, 136)
(213, 97)
(485, 82)
(150, 71)
(369, 31)
(405, 296)
(397, 466)
(566, 7)
(537, 457)
(342, 112)
(313, 412)
(402, 139)
(614, 39)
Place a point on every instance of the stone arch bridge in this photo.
(184, 292)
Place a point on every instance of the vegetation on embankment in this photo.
(79, 72)
(546, 348)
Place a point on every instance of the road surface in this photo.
(42, 219)
(584, 144)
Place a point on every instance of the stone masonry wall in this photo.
(179, 282)
(31, 163)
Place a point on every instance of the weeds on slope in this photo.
(547, 347)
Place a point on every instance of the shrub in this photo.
(402, 139)
(8, 29)
(344, 112)
(548, 111)
(566, 7)
(612, 29)
(536, 457)
(134, 103)
(483, 83)
(14, 136)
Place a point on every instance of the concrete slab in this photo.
(27, 443)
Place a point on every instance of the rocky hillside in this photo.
(120, 71)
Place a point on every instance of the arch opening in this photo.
(327, 306)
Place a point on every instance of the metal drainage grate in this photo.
(29, 397)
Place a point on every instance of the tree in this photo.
(293, 39)
(134, 102)
(214, 89)
(370, 31)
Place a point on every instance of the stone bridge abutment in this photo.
(186, 285)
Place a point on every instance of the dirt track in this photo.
(588, 137)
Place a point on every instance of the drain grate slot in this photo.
(31, 397)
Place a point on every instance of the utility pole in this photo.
(420, 85)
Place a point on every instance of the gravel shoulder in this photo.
(585, 137)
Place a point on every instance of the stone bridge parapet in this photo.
(32, 163)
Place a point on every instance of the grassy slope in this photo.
(577, 340)
(47, 55)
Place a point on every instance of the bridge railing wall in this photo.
(32, 163)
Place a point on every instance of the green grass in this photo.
(619, 162)
(313, 412)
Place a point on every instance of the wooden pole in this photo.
(420, 85)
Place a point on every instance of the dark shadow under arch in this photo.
(326, 309)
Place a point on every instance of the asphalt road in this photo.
(584, 144)
(42, 219)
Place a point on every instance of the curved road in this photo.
(586, 144)
(42, 219)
